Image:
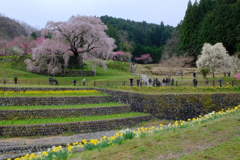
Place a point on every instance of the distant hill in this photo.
(10, 29)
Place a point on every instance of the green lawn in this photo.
(69, 119)
(177, 90)
(215, 139)
(117, 71)
(60, 107)
(47, 93)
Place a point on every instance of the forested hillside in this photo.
(10, 28)
(138, 37)
(206, 21)
(210, 21)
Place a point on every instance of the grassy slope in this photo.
(116, 71)
(69, 119)
(178, 90)
(53, 95)
(217, 139)
(61, 106)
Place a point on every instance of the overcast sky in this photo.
(37, 12)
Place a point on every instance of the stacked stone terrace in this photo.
(62, 128)
(11, 150)
(168, 106)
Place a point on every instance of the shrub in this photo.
(204, 71)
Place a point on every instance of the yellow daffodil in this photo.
(70, 148)
(45, 153)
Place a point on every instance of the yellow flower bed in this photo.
(52, 153)
(48, 93)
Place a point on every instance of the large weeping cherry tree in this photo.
(215, 58)
(50, 57)
(84, 35)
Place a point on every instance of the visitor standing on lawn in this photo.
(4, 81)
(15, 80)
(131, 81)
(220, 82)
(74, 82)
(195, 74)
(172, 81)
(56, 82)
(207, 83)
(195, 82)
(84, 81)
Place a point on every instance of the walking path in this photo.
(43, 141)
(144, 78)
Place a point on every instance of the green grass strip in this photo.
(227, 150)
(56, 95)
(177, 90)
(69, 119)
(61, 107)
(216, 138)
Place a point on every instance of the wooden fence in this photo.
(213, 83)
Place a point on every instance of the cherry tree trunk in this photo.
(75, 62)
(80, 62)
(213, 70)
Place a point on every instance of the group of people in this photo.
(181, 73)
(164, 82)
(52, 81)
(155, 82)
(195, 81)
(75, 82)
(152, 82)
(15, 80)
(227, 73)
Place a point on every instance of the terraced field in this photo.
(56, 115)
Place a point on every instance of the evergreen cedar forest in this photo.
(207, 21)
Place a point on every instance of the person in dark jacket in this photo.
(195, 82)
(15, 80)
(220, 82)
(131, 81)
(74, 82)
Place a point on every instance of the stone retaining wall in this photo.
(28, 149)
(75, 127)
(72, 73)
(175, 106)
(54, 113)
(164, 106)
(33, 101)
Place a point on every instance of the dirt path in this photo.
(14, 144)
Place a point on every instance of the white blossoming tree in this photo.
(235, 64)
(215, 58)
(49, 57)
